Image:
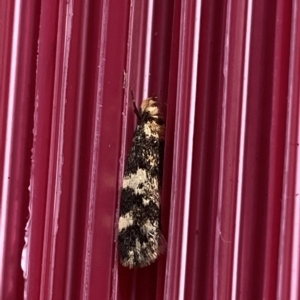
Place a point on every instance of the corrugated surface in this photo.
(227, 74)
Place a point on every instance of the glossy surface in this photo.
(227, 74)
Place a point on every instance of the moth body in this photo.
(140, 239)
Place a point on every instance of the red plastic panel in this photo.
(227, 75)
(18, 50)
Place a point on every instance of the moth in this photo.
(140, 240)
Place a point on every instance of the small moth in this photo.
(140, 239)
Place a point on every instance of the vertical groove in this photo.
(225, 69)
(148, 49)
(193, 89)
(285, 279)
(241, 152)
(95, 147)
(76, 172)
(9, 135)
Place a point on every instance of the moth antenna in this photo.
(135, 109)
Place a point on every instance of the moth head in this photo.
(149, 106)
(150, 114)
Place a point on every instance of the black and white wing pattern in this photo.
(140, 239)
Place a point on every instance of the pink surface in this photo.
(230, 95)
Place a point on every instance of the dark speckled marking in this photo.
(140, 240)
